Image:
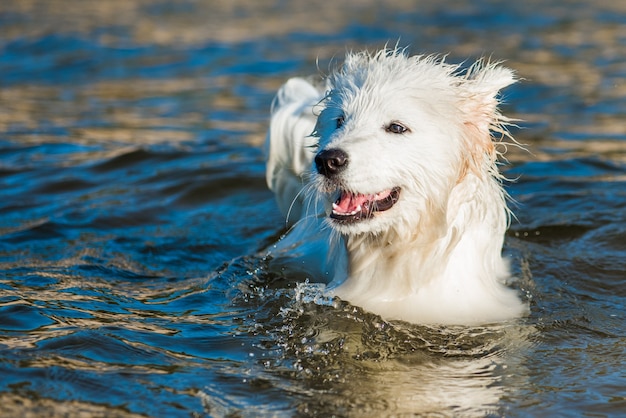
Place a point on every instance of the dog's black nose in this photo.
(331, 161)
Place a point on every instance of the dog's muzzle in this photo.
(352, 207)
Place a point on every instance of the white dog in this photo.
(388, 171)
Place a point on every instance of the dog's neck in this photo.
(462, 244)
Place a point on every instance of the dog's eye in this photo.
(396, 128)
(340, 121)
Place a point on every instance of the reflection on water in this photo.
(133, 202)
(341, 360)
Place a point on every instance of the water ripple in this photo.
(133, 208)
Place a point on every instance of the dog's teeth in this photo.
(337, 210)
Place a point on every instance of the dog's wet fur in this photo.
(387, 170)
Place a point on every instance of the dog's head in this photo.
(397, 133)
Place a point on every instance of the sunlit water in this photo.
(133, 210)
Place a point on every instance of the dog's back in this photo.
(289, 146)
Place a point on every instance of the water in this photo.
(133, 208)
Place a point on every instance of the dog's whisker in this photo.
(291, 206)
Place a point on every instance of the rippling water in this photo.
(133, 208)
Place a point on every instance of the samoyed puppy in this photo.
(386, 170)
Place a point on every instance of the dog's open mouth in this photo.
(351, 207)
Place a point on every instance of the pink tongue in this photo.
(349, 203)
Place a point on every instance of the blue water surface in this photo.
(134, 211)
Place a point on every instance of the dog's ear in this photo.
(480, 89)
(482, 84)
